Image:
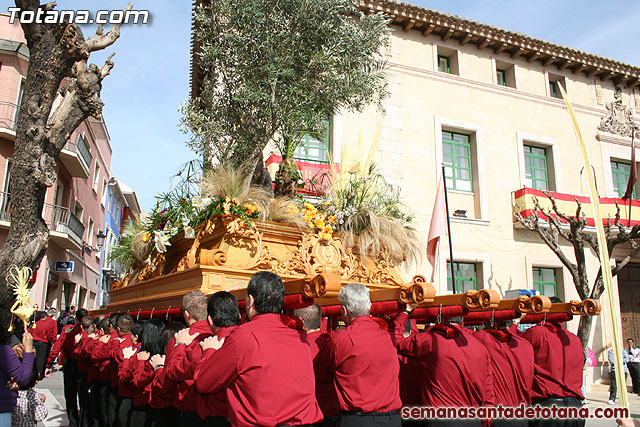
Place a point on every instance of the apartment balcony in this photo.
(64, 228)
(5, 208)
(76, 157)
(8, 120)
(314, 174)
(523, 202)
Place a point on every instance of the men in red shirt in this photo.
(557, 378)
(223, 317)
(364, 364)
(180, 364)
(70, 367)
(101, 355)
(41, 340)
(318, 342)
(455, 366)
(264, 366)
(126, 391)
(511, 369)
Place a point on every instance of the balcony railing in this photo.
(523, 202)
(80, 147)
(60, 219)
(8, 115)
(5, 206)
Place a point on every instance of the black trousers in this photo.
(634, 371)
(94, 404)
(564, 402)
(112, 405)
(141, 416)
(165, 417)
(191, 418)
(71, 380)
(123, 412)
(613, 389)
(83, 399)
(42, 352)
(391, 419)
(218, 422)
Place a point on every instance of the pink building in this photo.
(74, 208)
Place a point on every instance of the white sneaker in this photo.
(611, 402)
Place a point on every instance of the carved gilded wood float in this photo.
(226, 252)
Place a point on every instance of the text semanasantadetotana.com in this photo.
(508, 412)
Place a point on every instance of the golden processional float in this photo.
(226, 251)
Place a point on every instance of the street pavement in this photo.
(53, 388)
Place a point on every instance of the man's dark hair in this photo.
(167, 333)
(113, 320)
(222, 307)
(125, 323)
(137, 328)
(80, 313)
(267, 290)
(152, 336)
(555, 300)
(38, 315)
(86, 322)
(311, 316)
(104, 325)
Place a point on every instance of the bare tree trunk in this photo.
(56, 52)
(584, 330)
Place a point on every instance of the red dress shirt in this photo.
(164, 392)
(52, 328)
(267, 372)
(125, 388)
(142, 375)
(365, 367)
(102, 354)
(455, 369)
(56, 350)
(40, 331)
(181, 364)
(319, 342)
(511, 366)
(558, 362)
(214, 404)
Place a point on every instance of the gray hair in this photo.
(355, 298)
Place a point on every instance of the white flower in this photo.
(162, 241)
(196, 202)
(189, 232)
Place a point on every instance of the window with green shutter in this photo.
(536, 171)
(544, 281)
(466, 279)
(501, 77)
(456, 155)
(312, 149)
(444, 64)
(621, 172)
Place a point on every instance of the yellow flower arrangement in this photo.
(146, 237)
(251, 208)
(318, 220)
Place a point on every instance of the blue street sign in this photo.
(64, 266)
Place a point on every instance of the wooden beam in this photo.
(533, 56)
(631, 83)
(501, 48)
(517, 52)
(548, 61)
(592, 71)
(408, 25)
(466, 39)
(618, 79)
(578, 68)
(428, 30)
(483, 44)
(446, 36)
(606, 75)
(564, 65)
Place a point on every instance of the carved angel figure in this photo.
(23, 308)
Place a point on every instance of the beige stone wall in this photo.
(423, 102)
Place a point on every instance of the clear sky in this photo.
(151, 74)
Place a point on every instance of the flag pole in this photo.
(446, 205)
